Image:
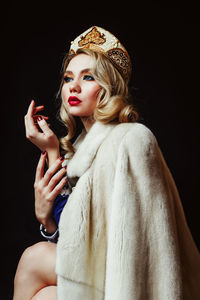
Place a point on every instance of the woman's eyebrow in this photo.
(86, 71)
(81, 72)
(68, 72)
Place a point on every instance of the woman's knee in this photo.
(32, 261)
(47, 293)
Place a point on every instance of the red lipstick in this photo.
(73, 101)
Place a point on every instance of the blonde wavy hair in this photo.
(114, 103)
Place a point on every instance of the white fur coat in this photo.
(123, 234)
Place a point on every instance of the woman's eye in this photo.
(67, 79)
(88, 77)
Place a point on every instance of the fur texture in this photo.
(123, 234)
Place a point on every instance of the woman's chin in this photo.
(77, 112)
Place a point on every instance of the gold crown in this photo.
(101, 40)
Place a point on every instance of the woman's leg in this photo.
(35, 271)
(47, 293)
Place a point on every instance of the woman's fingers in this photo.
(38, 108)
(36, 118)
(57, 189)
(31, 108)
(44, 126)
(32, 119)
(56, 178)
(31, 128)
(52, 170)
(40, 167)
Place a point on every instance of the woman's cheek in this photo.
(64, 94)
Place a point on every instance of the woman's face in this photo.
(80, 90)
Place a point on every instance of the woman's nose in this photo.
(75, 87)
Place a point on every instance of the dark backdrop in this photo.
(163, 44)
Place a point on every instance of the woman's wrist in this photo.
(49, 226)
(53, 238)
(52, 155)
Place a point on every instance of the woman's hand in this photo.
(47, 186)
(45, 140)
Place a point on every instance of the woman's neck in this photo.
(87, 122)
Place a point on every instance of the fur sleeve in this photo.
(143, 255)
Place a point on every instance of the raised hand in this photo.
(47, 186)
(45, 140)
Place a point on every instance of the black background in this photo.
(163, 43)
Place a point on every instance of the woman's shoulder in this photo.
(130, 139)
(133, 132)
(134, 139)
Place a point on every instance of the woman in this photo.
(122, 233)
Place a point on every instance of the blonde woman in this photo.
(122, 232)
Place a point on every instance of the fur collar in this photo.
(86, 147)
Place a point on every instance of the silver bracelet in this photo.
(50, 237)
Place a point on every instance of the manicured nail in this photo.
(43, 152)
(61, 158)
(39, 118)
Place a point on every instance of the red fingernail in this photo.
(61, 158)
(43, 152)
(39, 118)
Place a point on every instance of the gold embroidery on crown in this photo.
(121, 60)
(92, 37)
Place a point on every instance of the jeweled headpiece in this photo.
(101, 40)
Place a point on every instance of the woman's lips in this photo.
(73, 101)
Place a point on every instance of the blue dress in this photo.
(58, 206)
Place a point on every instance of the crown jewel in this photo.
(92, 37)
(101, 40)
